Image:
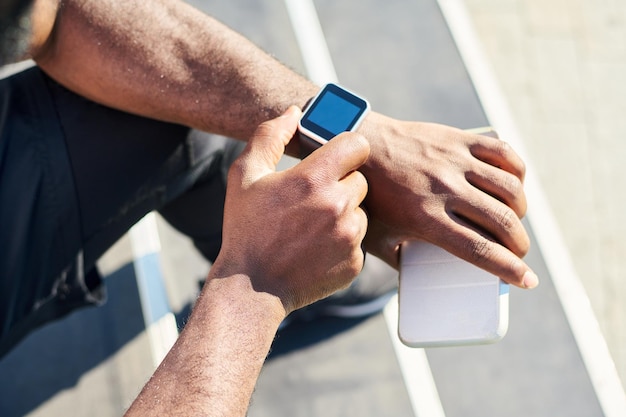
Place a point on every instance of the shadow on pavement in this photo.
(56, 356)
(302, 334)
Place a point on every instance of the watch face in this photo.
(333, 111)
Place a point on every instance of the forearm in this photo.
(213, 367)
(166, 60)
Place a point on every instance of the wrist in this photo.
(377, 129)
(239, 288)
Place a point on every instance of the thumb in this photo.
(267, 145)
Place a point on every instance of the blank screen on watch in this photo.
(334, 113)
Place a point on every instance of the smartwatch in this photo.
(332, 111)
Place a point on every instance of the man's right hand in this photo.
(290, 238)
(296, 233)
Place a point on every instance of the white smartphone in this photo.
(446, 301)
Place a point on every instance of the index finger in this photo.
(489, 255)
(343, 154)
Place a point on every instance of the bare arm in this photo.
(213, 367)
(166, 60)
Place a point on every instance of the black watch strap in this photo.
(307, 145)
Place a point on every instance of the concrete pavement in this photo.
(562, 67)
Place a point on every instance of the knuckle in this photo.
(521, 168)
(517, 270)
(304, 185)
(337, 208)
(346, 233)
(356, 230)
(506, 152)
(480, 250)
(510, 225)
(361, 181)
(514, 195)
(356, 264)
(503, 149)
(506, 219)
(356, 269)
(349, 234)
(516, 188)
(514, 185)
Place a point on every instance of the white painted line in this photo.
(160, 323)
(413, 363)
(415, 369)
(310, 37)
(145, 236)
(576, 305)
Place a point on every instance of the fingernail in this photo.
(530, 280)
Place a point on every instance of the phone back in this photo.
(446, 301)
